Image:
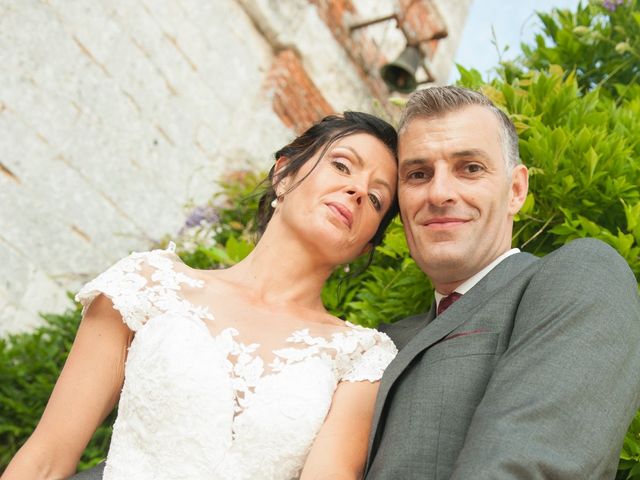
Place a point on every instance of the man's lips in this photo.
(342, 212)
(439, 223)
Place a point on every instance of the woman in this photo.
(236, 373)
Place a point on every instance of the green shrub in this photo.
(599, 42)
(576, 103)
(581, 150)
(575, 99)
(29, 366)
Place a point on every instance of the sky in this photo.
(513, 21)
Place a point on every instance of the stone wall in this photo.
(115, 114)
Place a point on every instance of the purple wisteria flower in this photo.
(611, 5)
(202, 214)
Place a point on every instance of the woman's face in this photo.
(339, 206)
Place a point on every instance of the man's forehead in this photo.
(480, 115)
(462, 135)
(477, 128)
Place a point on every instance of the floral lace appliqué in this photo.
(197, 405)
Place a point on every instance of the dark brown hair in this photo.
(320, 137)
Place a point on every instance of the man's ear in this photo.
(519, 188)
(279, 182)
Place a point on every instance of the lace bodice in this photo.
(208, 398)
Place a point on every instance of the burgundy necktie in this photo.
(447, 301)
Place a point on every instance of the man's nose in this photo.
(441, 188)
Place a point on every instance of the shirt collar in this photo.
(468, 284)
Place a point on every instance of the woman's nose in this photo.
(356, 192)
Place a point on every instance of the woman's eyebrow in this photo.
(384, 183)
(379, 181)
(355, 154)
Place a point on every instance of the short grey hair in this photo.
(436, 102)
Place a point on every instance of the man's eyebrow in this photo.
(471, 152)
(412, 162)
(467, 153)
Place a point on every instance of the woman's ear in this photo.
(279, 182)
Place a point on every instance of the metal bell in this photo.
(400, 75)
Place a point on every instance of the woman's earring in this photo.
(274, 202)
(346, 268)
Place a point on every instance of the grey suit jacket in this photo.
(534, 373)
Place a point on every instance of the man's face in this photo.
(457, 199)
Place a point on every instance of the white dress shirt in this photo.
(471, 282)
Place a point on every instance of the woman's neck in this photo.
(283, 270)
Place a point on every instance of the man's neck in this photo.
(463, 287)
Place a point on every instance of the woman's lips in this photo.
(342, 212)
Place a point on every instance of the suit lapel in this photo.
(436, 329)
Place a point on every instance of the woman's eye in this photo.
(341, 166)
(375, 201)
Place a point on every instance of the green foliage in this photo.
(575, 100)
(629, 467)
(225, 234)
(581, 151)
(216, 255)
(391, 288)
(29, 365)
(601, 45)
(238, 204)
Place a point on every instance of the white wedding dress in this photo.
(205, 400)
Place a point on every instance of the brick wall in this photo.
(114, 115)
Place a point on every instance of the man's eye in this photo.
(473, 168)
(416, 175)
(341, 166)
(375, 201)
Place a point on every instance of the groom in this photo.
(524, 367)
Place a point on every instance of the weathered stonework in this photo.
(295, 98)
(115, 114)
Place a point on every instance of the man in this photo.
(534, 371)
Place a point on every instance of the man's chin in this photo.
(445, 266)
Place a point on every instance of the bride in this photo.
(238, 373)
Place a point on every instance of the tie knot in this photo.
(447, 301)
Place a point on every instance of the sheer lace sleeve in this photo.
(126, 285)
(368, 362)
